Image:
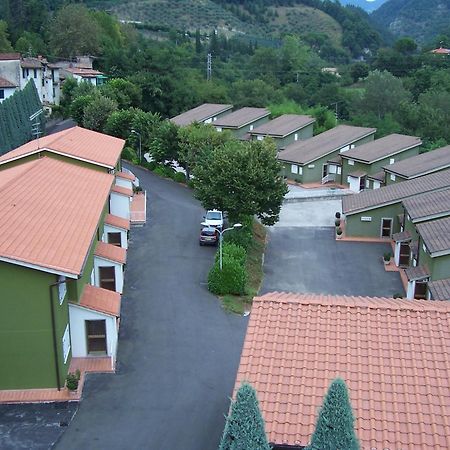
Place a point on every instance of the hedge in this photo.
(230, 280)
(231, 250)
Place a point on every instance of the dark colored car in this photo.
(209, 236)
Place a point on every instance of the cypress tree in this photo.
(244, 428)
(335, 424)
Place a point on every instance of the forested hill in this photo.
(419, 19)
(366, 5)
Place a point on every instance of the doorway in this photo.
(386, 227)
(107, 278)
(96, 336)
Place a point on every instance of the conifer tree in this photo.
(244, 428)
(335, 424)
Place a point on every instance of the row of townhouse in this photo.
(16, 71)
(415, 214)
(64, 229)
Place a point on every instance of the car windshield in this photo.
(208, 232)
(214, 215)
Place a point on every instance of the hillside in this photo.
(367, 5)
(419, 19)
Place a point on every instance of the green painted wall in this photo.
(439, 267)
(26, 339)
(347, 168)
(304, 133)
(355, 227)
(371, 183)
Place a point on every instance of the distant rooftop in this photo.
(382, 148)
(394, 356)
(9, 56)
(200, 113)
(440, 289)
(394, 193)
(4, 83)
(429, 205)
(241, 117)
(421, 164)
(304, 152)
(82, 72)
(284, 125)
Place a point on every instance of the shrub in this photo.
(338, 231)
(72, 380)
(129, 154)
(337, 215)
(337, 222)
(179, 177)
(230, 280)
(164, 171)
(152, 165)
(242, 237)
(231, 250)
(387, 256)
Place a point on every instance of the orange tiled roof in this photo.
(393, 354)
(49, 213)
(122, 190)
(117, 221)
(101, 300)
(76, 142)
(111, 252)
(126, 176)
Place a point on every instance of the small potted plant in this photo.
(72, 380)
(338, 232)
(387, 258)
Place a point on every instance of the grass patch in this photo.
(239, 304)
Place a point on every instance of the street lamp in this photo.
(236, 226)
(140, 144)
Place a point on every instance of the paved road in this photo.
(308, 259)
(178, 350)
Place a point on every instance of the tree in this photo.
(359, 70)
(244, 428)
(335, 424)
(5, 44)
(405, 45)
(124, 92)
(96, 113)
(242, 178)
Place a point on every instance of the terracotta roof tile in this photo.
(122, 190)
(4, 83)
(126, 176)
(284, 125)
(50, 212)
(436, 235)
(241, 117)
(102, 300)
(304, 152)
(440, 289)
(393, 354)
(423, 164)
(9, 56)
(430, 204)
(75, 142)
(83, 72)
(117, 222)
(394, 193)
(111, 252)
(200, 113)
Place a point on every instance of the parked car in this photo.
(213, 218)
(209, 236)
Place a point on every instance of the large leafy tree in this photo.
(335, 424)
(97, 111)
(242, 178)
(5, 44)
(244, 429)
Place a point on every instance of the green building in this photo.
(242, 121)
(285, 130)
(378, 213)
(313, 160)
(205, 113)
(418, 166)
(369, 159)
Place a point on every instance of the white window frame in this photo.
(260, 138)
(62, 289)
(300, 170)
(367, 184)
(296, 137)
(66, 343)
(251, 127)
(392, 177)
(391, 160)
(294, 168)
(351, 162)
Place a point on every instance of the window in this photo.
(424, 248)
(391, 160)
(115, 239)
(251, 127)
(351, 162)
(386, 227)
(352, 146)
(294, 168)
(96, 336)
(66, 343)
(311, 166)
(344, 149)
(34, 73)
(260, 138)
(2, 94)
(296, 137)
(219, 129)
(107, 278)
(300, 170)
(24, 73)
(392, 177)
(367, 184)
(62, 289)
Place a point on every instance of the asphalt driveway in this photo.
(178, 350)
(306, 257)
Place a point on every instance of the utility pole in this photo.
(209, 67)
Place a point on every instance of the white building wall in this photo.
(78, 316)
(10, 70)
(110, 229)
(118, 271)
(410, 290)
(119, 205)
(354, 184)
(124, 183)
(7, 92)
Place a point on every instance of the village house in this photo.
(242, 121)
(61, 278)
(206, 113)
(6, 89)
(396, 370)
(82, 70)
(18, 71)
(369, 159)
(417, 166)
(317, 160)
(285, 129)
(378, 213)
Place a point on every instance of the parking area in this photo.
(303, 256)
